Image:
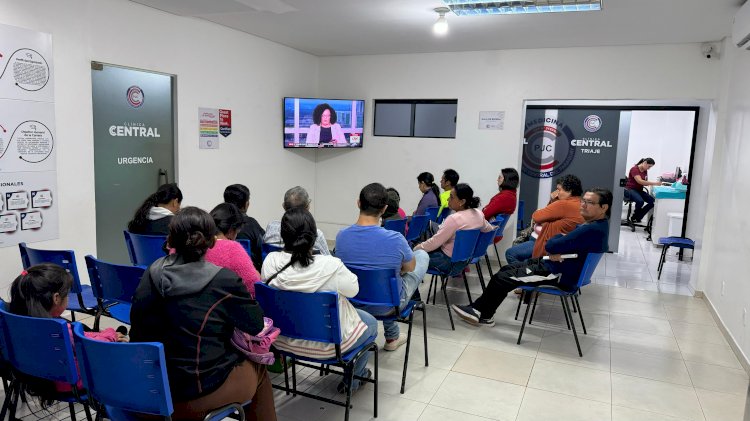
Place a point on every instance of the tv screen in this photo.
(323, 123)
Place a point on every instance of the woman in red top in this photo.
(503, 203)
(637, 179)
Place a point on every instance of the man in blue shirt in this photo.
(366, 245)
(589, 237)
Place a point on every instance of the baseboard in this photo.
(727, 335)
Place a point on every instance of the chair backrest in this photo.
(444, 214)
(417, 226)
(64, 258)
(126, 376)
(483, 241)
(38, 347)
(500, 222)
(520, 215)
(377, 287)
(245, 243)
(432, 213)
(302, 315)
(144, 249)
(589, 266)
(269, 248)
(116, 282)
(464, 245)
(398, 225)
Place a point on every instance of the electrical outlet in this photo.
(744, 317)
(723, 285)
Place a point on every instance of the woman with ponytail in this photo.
(297, 269)
(465, 216)
(154, 215)
(193, 307)
(42, 291)
(430, 193)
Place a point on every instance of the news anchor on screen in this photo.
(324, 130)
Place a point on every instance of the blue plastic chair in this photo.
(245, 243)
(521, 225)
(118, 284)
(589, 266)
(314, 316)
(483, 243)
(398, 225)
(266, 249)
(40, 348)
(129, 379)
(83, 298)
(145, 249)
(463, 249)
(500, 222)
(667, 242)
(417, 225)
(442, 215)
(432, 213)
(382, 289)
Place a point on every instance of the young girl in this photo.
(42, 291)
(156, 212)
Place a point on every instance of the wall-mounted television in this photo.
(323, 123)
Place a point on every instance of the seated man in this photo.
(366, 245)
(560, 216)
(239, 195)
(296, 197)
(447, 183)
(589, 237)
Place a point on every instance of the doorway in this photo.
(134, 147)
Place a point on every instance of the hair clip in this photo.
(24, 273)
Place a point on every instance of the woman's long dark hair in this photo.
(227, 217)
(465, 192)
(32, 294)
(429, 180)
(191, 233)
(164, 194)
(299, 231)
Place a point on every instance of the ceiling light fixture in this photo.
(513, 7)
(441, 25)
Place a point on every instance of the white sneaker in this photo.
(394, 344)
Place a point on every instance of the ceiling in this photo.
(354, 27)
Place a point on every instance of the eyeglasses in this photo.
(585, 202)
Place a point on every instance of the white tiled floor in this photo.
(648, 355)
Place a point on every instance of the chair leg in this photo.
(6, 402)
(349, 374)
(466, 284)
(565, 312)
(294, 377)
(523, 324)
(533, 308)
(424, 333)
(286, 373)
(481, 276)
(73, 316)
(520, 300)
(72, 409)
(487, 260)
(447, 302)
(429, 289)
(662, 260)
(572, 323)
(14, 401)
(375, 397)
(580, 313)
(406, 357)
(497, 253)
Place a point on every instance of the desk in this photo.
(668, 200)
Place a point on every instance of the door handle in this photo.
(623, 182)
(163, 173)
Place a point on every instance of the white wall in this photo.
(727, 238)
(215, 67)
(489, 80)
(665, 136)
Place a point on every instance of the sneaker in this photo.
(342, 387)
(468, 313)
(487, 322)
(393, 344)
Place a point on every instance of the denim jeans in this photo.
(520, 252)
(409, 283)
(372, 329)
(639, 198)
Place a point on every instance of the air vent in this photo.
(512, 7)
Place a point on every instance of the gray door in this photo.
(133, 147)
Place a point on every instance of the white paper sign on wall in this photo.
(491, 120)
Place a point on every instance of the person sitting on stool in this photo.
(634, 192)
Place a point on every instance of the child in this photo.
(42, 291)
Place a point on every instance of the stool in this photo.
(630, 223)
(667, 242)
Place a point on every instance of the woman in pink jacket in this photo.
(465, 216)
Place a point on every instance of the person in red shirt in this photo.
(634, 189)
(503, 203)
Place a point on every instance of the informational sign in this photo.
(28, 145)
(491, 120)
(208, 128)
(225, 122)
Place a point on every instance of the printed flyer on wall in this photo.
(28, 146)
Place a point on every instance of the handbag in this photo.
(257, 348)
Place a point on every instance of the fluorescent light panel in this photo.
(514, 7)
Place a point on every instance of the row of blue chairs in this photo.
(122, 380)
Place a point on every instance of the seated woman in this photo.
(397, 198)
(392, 211)
(154, 215)
(430, 193)
(325, 130)
(503, 203)
(42, 291)
(297, 269)
(465, 216)
(228, 253)
(192, 307)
